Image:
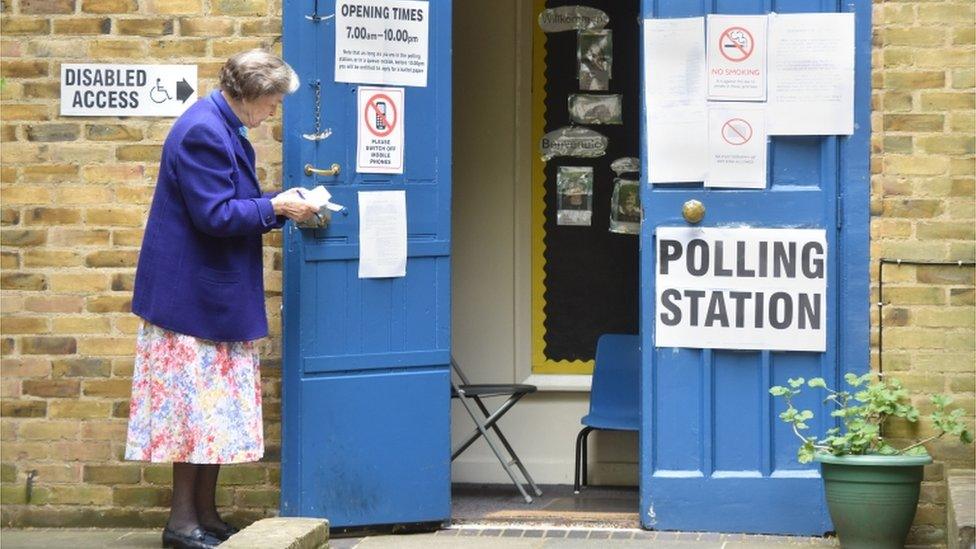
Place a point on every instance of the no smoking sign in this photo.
(380, 130)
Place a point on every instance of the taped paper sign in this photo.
(573, 141)
(736, 145)
(674, 77)
(736, 53)
(625, 207)
(566, 18)
(811, 74)
(595, 109)
(574, 190)
(741, 288)
(595, 56)
(382, 42)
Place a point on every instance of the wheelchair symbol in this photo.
(158, 94)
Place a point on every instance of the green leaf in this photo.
(795, 383)
(966, 437)
(817, 382)
(779, 391)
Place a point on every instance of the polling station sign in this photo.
(89, 89)
(737, 288)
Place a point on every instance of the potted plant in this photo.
(871, 486)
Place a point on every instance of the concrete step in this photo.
(961, 509)
(282, 533)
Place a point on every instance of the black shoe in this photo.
(197, 539)
(222, 532)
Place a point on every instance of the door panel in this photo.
(366, 387)
(714, 455)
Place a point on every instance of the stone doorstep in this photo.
(961, 509)
(282, 533)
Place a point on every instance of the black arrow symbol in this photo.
(183, 90)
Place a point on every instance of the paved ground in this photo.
(465, 537)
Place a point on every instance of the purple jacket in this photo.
(200, 269)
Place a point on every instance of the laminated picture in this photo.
(586, 108)
(625, 207)
(595, 57)
(574, 195)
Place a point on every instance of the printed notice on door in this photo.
(382, 234)
(811, 74)
(720, 288)
(382, 42)
(736, 145)
(736, 54)
(379, 135)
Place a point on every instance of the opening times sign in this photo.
(382, 42)
(741, 288)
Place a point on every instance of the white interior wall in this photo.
(491, 254)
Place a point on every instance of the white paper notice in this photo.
(736, 145)
(382, 42)
(382, 234)
(379, 135)
(741, 288)
(811, 74)
(736, 47)
(674, 75)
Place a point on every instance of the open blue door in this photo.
(366, 393)
(714, 455)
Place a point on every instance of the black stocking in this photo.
(205, 496)
(183, 513)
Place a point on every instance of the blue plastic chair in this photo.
(614, 394)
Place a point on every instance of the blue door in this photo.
(366, 393)
(714, 455)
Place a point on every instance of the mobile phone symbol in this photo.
(380, 113)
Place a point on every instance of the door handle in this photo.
(311, 170)
(693, 211)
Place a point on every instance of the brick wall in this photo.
(922, 207)
(74, 195)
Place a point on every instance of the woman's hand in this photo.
(292, 206)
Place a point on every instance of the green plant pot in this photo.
(872, 499)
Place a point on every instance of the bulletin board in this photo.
(585, 278)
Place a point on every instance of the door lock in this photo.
(693, 211)
(311, 170)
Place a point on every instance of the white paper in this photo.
(382, 42)
(111, 89)
(811, 74)
(746, 288)
(382, 234)
(736, 145)
(320, 197)
(379, 135)
(736, 52)
(674, 76)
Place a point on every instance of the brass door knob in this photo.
(311, 170)
(693, 211)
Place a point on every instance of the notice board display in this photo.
(590, 275)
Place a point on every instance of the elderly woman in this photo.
(196, 387)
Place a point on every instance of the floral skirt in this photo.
(193, 400)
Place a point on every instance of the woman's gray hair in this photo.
(256, 73)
